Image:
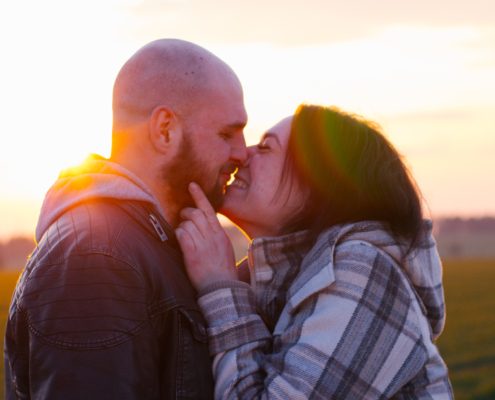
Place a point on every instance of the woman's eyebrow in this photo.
(269, 134)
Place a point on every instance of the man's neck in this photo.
(169, 208)
(155, 183)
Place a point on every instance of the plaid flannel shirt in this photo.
(345, 319)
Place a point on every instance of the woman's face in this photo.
(250, 201)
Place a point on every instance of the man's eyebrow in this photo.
(270, 134)
(237, 125)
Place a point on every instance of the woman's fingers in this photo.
(208, 252)
(204, 205)
(186, 242)
(190, 228)
(198, 218)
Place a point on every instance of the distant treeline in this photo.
(456, 237)
(460, 225)
(465, 238)
(15, 252)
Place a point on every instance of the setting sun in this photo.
(429, 82)
(225, 199)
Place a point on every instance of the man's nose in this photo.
(239, 151)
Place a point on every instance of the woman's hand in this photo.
(208, 253)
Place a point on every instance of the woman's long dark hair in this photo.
(351, 173)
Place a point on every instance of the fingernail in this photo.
(193, 187)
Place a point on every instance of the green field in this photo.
(467, 343)
(7, 284)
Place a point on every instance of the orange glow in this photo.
(427, 78)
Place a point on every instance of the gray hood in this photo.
(422, 267)
(95, 178)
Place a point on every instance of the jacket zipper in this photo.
(147, 214)
(158, 228)
(167, 238)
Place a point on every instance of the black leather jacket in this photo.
(104, 310)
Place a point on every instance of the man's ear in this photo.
(165, 129)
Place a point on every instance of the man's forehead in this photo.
(231, 115)
(224, 105)
(238, 118)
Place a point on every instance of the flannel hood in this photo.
(95, 178)
(423, 267)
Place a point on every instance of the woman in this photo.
(344, 296)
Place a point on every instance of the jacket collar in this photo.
(278, 269)
(153, 222)
(288, 263)
(96, 178)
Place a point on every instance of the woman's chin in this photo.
(233, 204)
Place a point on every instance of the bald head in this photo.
(169, 72)
(179, 116)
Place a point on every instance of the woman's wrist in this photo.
(226, 284)
(210, 279)
(227, 302)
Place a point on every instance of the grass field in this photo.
(467, 343)
(7, 285)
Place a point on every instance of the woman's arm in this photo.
(359, 338)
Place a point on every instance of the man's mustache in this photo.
(229, 168)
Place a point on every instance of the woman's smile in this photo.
(251, 199)
(239, 182)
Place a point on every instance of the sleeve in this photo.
(358, 338)
(89, 330)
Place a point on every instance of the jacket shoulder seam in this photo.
(78, 253)
(93, 345)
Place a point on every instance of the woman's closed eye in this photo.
(262, 146)
(265, 144)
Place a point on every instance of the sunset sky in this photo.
(425, 70)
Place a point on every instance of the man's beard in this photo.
(187, 168)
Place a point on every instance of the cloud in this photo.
(295, 22)
(461, 132)
(437, 115)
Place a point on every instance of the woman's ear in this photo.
(165, 129)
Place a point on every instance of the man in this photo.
(103, 309)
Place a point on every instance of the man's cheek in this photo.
(223, 154)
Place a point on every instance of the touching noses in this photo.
(251, 151)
